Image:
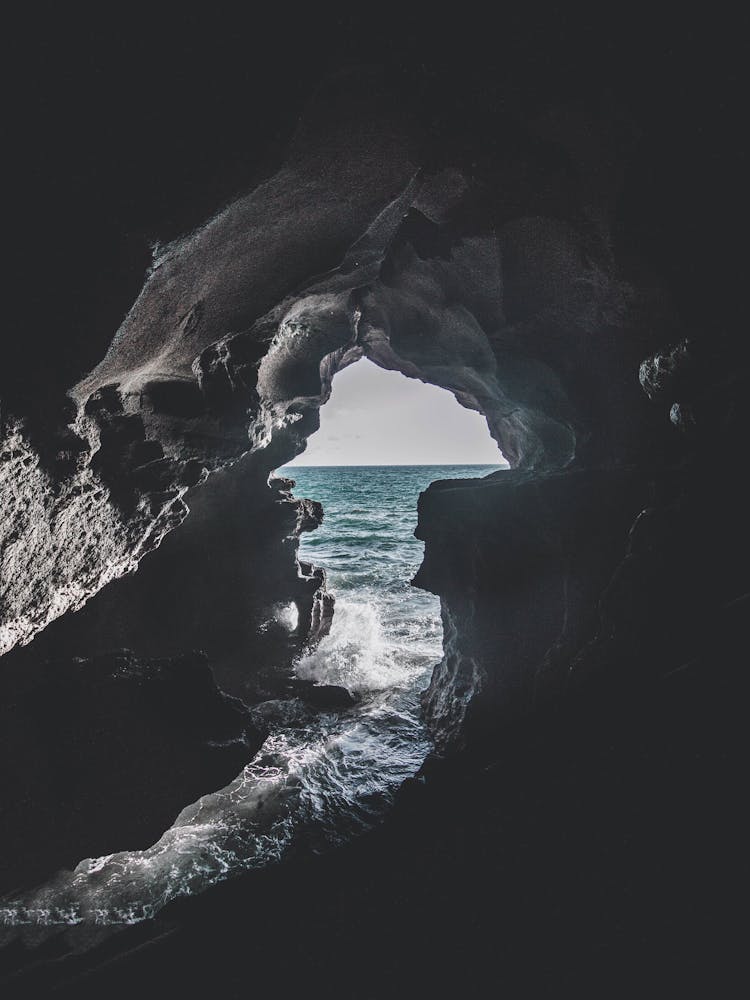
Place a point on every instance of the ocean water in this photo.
(320, 777)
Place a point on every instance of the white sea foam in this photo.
(319, 778)
(288, 615)
(356, 655)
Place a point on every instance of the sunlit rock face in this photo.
(63, 538)
(221, 583)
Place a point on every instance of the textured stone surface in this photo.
(592, 576)
(64, 540)
(519, 562)
(220, 583)
(501, 290)
(510, 236)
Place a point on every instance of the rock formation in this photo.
(232, 344)
(137, 511)
(102, 754)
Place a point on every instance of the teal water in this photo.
(385, 633)
(321, 777)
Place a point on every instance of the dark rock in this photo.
(101, 755)
(321, 616)
(667, 372)
(522, 217)
(493, 277)
(143, 452)
(309, 516)
(107, 399)
(181, 398)
(324, 696)
(519, 562)
(216, 584)
(572, 831)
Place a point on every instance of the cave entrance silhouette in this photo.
(338, 750)
(383, 439)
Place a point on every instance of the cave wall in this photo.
(498, 276)
(519, 562)
(494, 279)
(101, 755)
(218, 583)
(606, 579)
(551, 214)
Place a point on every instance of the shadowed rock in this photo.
(102, 754)
(498, 277)
(494, 280)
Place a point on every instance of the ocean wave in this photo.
(320, 777)
(356, 654)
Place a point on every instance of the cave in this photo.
(531, 234)
(343, 723)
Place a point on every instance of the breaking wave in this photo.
(320, 777)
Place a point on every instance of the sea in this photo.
(321, 777)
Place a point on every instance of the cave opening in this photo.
(383, 439)
(352, 731)
(505, 229)
(379, 417)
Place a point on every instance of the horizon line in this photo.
(393, 465)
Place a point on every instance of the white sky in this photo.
(378, 417)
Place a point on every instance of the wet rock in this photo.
(321, 616)
(324, 696)
(309, 516)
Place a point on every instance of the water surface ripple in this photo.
(320, 778)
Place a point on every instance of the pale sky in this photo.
(379, 417)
